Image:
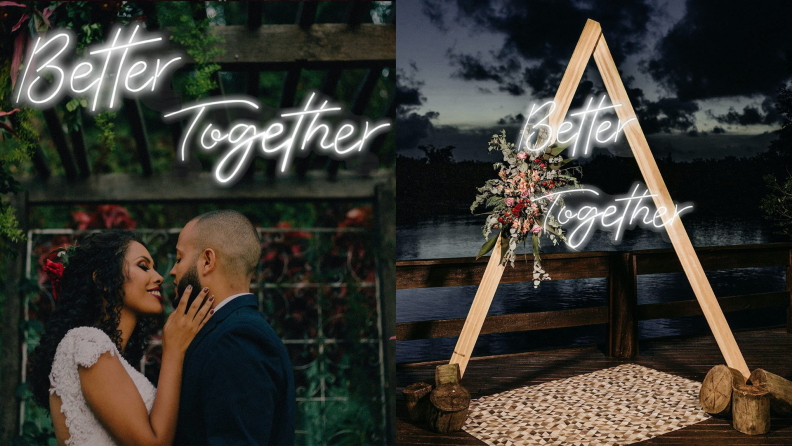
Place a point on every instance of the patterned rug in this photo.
(620, 405)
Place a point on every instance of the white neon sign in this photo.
(600, 214)
(43, 84)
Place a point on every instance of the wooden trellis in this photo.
(592, 42)
(250, 48)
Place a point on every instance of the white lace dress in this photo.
(82, 346)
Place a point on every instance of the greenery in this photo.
(777, 205)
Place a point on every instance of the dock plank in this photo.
(688, 357)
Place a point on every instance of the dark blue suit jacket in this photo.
(237, 383)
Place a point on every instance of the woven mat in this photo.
(620, 405)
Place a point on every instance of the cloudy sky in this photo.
(702, 74)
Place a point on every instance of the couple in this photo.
(225, 377)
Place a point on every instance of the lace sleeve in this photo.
(90, 343)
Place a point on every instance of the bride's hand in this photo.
(182, 326)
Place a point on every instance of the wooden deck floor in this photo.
(689, 357)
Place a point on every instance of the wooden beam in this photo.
(479, 309)
(320, 46)
(59, 138)
(362, 96)
(385, 207)
(254, 11)
(40, 163)
(328, 88)
(728, 304)
(77, 138)
(574, 72)
(789, 292)
(506, 323)
(544, 320)
(307, 14)
(356, 12)
(622, 304)
(714, 258)
(167, 188)
(10, 330)
(390, 113)
(135, 116)
(661, 197)
(469, 271)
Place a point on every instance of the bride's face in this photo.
(142, 292)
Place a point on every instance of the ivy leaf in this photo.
(487, 247)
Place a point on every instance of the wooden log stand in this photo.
(716, 390)
(780, 390)
(449, 401)
(751, 409)
(417, 397)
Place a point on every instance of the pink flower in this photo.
(536, 229)
(510, 202)
(525, 194)
(522, 155)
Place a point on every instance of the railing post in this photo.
(622, 303)
(789, 290)
(385, 207)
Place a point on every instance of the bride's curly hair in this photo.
(96, 270)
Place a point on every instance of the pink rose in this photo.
(522, 155)
(536, 229)
(510, 202)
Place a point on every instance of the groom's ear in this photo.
(208, 261)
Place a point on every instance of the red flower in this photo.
(54, 271)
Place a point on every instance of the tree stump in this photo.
(751, 409)
(715, 395)
(780, 390)
(448, 408)
(417, 396)
(447, 374)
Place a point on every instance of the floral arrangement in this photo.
(527, 185)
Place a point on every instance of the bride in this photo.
(81, 372)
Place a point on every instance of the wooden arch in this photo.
(592, 42)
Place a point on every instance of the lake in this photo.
(460, 236)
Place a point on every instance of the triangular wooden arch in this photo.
(592, 42)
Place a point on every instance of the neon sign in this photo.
(601, 214)
(118, 68)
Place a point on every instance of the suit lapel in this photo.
(218, 317)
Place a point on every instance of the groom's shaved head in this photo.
(233, 238)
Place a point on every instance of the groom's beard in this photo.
(189, 278)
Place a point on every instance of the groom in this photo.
(237, 384)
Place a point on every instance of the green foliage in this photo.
(106, 126)
(192, 35)
(777, 205)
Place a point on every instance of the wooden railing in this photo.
(621, 268)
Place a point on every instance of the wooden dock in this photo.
(688, 357)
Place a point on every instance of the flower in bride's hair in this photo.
(54, 271)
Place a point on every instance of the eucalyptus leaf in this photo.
(487, 247)
(504, 249)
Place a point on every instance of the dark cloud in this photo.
(749, 116)
(408, 90)
(665, 114)
(538, 41)
(410, 125)
(433, 10)
(724, 48)
(512, 119)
